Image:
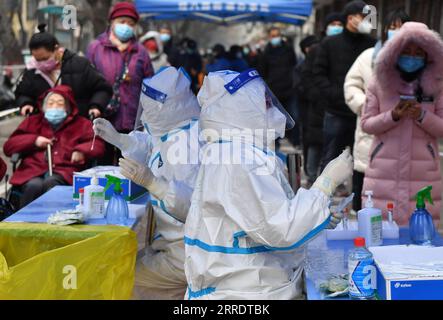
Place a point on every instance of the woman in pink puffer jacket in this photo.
(404, 156)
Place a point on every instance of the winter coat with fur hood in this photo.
(404, 156)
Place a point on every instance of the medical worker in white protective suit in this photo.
(246, 228)
(165, 161)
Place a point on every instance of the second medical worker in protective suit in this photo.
(246, 228)
(165, 161)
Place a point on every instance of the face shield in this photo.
(277, 116)
(236, 104)
(166, 101)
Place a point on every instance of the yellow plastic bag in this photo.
(39, 261)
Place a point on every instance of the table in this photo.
(325, 258)
(60, 198)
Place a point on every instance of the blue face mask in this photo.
(334, 30)
(276, 41)
(391, 34)
(123, 32)
(165, 37)
(410, 64)
(55, 116)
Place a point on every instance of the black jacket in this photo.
(276, 66)
(333, 61)
(89, 86)
(315, 104)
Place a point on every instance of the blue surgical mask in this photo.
(334, 30)
(276, 41)
(123, 32)
(391, 34)
(55, 116)
(165, 37)
(410, 64)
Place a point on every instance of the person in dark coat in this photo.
(191, 60)
(70, 135)
(169, 46)
(52, 65)
(312, 115)
(276, 66)
(237, 60)
(335, 57)
(219, 60)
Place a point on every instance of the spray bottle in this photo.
(117, 211)
(421, 226)
(370, 223)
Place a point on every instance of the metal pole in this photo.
(50, 159)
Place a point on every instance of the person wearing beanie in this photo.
(334, 24)
(335, 57)
(124, 63)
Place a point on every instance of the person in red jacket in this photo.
(2, 169)
(70, 135)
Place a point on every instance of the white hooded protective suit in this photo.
(170, 148)
(245, 230)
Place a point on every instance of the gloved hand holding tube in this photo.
(336, 173)
(104, 129)
(143, 176)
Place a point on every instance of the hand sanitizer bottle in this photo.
(94, 201)
(370, 223)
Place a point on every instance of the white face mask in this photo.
(364, 27)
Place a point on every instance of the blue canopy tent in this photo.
(227, 11)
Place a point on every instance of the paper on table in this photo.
(403, 261)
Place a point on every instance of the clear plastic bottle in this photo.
(117, 212)
(362, 272)
(421, 226)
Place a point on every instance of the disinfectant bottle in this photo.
(370, 223)
(362, 272)
(117, 212)
(94, 200)
(421, 226)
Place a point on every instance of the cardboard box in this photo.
(131, 191)
(409, 272)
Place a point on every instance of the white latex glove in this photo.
(336, 172)
(143, 176)
(105, 130)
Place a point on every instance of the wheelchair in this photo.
(11, 203)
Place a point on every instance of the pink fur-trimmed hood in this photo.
(430, 41)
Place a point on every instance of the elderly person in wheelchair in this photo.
(58, 137)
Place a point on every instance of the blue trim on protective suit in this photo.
(184, 128)
(200, 293)
(238, 235)
(258, 249)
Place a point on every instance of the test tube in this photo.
(93, 141)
